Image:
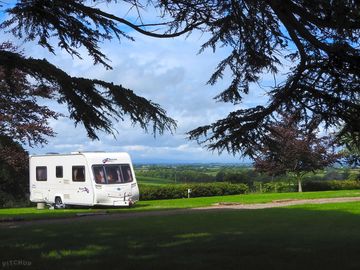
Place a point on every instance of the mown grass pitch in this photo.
(29, 213)
(299, 237)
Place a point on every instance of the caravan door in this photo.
(81, 188)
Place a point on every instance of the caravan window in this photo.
(99, 174)
(112, 174)
(78, 173)
(41, 173)
(59, 171)
(126, 172)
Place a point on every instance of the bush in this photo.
(354, 175)
(330, 185)
(7, 200)
(197, 190)
(275, 187)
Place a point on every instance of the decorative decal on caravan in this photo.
(108, 159)
(85, 189)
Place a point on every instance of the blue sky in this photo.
(167, 71)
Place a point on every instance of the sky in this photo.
(171, 73)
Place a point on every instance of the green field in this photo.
(167, 174)
(33, 213)
(147, 180)
(302, 237)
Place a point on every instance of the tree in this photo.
(21, 118)
(351, 151)
(291, 149)
(14, 173)
(321, 38)
(350, 141)
(92, 102)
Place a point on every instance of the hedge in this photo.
(330, 185)
(7, 200)
(172, 191)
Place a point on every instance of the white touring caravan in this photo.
(83, 178)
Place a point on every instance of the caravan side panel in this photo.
(64, 176)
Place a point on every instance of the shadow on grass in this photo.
(31, 213)
(301, 237)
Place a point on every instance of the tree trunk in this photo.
(299, 185)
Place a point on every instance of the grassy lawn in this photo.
(299, 237)
(33, 213)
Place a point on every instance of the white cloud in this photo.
(140, 148)
(78, 147)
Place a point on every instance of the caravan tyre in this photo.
(58, 203)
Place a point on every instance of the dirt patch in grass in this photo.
(280, 203)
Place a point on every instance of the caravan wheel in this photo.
(58, 203)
